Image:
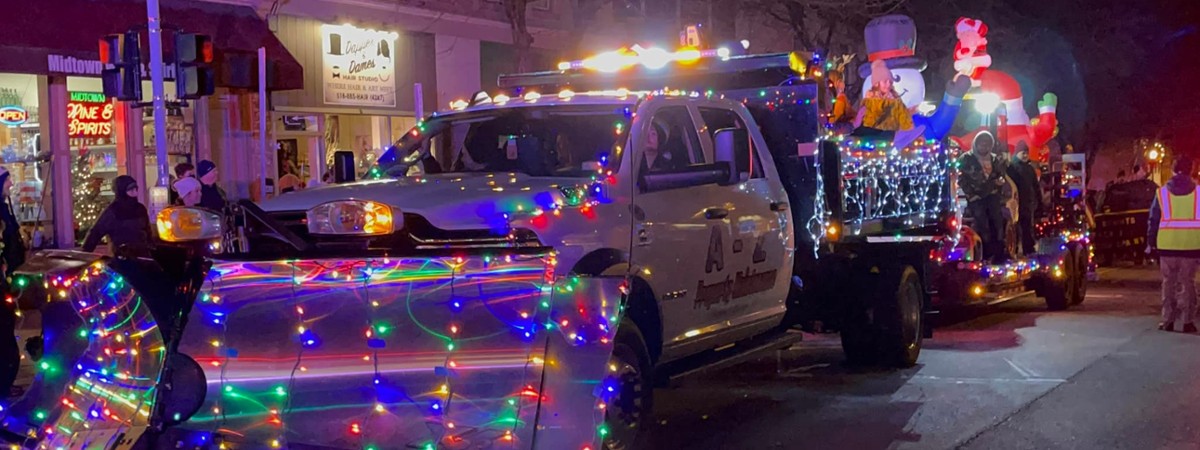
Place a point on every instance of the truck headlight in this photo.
(183, 224)
(359, 217)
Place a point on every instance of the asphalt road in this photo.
(1012, 376)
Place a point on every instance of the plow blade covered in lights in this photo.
(432, 352)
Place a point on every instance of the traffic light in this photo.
(193, 66)
(123, 52)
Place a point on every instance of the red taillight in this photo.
(105, 51)
(206, 51)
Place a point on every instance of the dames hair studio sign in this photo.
(359, 66)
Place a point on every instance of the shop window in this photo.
(21, 150)
(181, 140)
(92, 133)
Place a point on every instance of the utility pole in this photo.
(156, 82)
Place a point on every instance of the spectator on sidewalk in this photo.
(125, 221)
(211, 196)
(1175, 234)
(182, 170)
(12, 255)
(189, 191)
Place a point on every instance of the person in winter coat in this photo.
(1029, 195)
(211, 196)
(1175, 234)
(13, 255)
(982, 178)
(125, 221)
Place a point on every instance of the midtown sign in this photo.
(70, 65)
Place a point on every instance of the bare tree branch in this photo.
(516, 10)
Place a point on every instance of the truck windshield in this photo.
(539, 141)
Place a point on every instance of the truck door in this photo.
(759, 257)
(682, 226)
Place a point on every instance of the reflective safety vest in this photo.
(1179, 228)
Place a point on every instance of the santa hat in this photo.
(966, 24)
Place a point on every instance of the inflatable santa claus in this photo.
(1015, 125)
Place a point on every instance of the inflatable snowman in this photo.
(893, 40)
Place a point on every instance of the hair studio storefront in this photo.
(63, 142)
(358, 94)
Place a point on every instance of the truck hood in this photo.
(452, 201)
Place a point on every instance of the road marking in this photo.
(1021, 370)
(958, 380)
(1090, 295)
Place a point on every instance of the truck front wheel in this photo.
(629, 409)
(1080, 254)
(887, 328)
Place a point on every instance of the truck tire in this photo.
(1079, 293)
(888, 329)
(629, 410)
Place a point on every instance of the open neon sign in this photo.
(13, 115)
(89, 114)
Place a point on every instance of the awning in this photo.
(60, 37)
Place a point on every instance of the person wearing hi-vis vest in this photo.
(1175, 235)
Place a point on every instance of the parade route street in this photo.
(1011, 376)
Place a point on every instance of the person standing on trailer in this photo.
(1029, 196)
(1175, 235)
(983, 180)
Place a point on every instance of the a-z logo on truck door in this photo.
(741, 284)
(716, 252)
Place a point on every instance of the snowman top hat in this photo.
(893, 40)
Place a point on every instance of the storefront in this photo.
(358, 94)
(63, 141)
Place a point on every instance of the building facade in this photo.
(342, 75)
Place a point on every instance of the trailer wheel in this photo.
(629, 409)
(887, 329)
(1060, 289)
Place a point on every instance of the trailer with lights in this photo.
(1059, 268)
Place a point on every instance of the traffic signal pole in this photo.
(159, 100)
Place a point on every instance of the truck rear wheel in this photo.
(887, 328)
(629, 410)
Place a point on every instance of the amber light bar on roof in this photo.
(650, 58)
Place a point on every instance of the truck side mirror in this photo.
(343, 167)
(730, 145)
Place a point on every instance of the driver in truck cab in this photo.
(658, 157)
